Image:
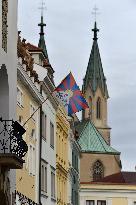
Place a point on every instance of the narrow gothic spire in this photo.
(94, 75)
(42, 40)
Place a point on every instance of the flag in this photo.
(69, 94)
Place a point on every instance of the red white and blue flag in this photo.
(69, 94)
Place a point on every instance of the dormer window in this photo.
(98, 108)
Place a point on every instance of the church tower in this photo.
(98, 158)
(95, 90)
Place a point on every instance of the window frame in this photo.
(97, 176)
(44, 177)
(19, 97)
(53, 184)
(52, 133)
(44, 126)
(101, 201)
(90, 201)
(98, 108)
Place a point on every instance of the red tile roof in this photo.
(118, 178)
(33, 48)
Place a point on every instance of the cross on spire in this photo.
(43, 7)
(95, 12)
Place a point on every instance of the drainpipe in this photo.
(40, 150)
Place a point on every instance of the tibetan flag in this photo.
(69, 94)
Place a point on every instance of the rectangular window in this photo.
(44, 177)
(52, 184)
(44, 125)
(51, 135)
(90, 202)
(19, 97)
(101, 202)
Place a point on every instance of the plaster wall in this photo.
(112, 194)
(9, 60)
(26, 183)
(62, 156)
(88, 159)
(49, 153)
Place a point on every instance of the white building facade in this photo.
(48, 155)
(8, 81)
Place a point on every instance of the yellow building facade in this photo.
(28, 100)
(62, 161)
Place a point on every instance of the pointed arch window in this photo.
(98, 108)
(98, 171)
(90, 106)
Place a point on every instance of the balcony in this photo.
(20, 198)
(12, 147)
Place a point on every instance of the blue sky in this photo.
(69, 41)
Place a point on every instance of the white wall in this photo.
(49, 154)
(9, 59)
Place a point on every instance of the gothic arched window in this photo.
(90, 105)
(98, 171)
(98, 108)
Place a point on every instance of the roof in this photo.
(94, 75)
(120, 178)
(33, 48)
(90, 139)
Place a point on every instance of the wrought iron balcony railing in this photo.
(11, 141)
(23, 199)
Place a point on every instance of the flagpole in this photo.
(36, 110)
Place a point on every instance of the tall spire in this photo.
(42, 40)
(94, 75)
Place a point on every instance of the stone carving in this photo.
(4, 24)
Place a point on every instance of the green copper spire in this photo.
(94, 75)
(42, 40)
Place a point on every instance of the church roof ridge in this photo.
(90, 139)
